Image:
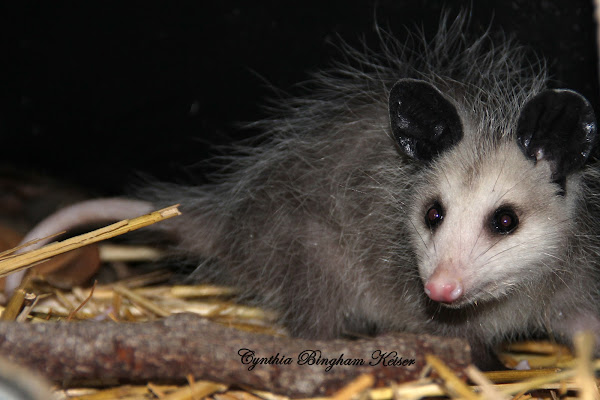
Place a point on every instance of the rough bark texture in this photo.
(169, 349)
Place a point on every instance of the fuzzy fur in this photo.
(323, 221)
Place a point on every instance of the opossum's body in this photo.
(335, 219)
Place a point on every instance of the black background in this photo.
(94, 93)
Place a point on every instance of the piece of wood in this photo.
(170, 349)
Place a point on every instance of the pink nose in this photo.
(443, 290)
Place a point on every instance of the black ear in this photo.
(558, 126)
(424, 122)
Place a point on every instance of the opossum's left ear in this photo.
(558, 126)
(424, 122)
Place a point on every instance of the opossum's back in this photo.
(334, 177)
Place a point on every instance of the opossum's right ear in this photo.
(558, 126)
(424, 122)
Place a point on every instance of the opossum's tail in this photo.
(83, 213)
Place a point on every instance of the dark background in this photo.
(94, 93)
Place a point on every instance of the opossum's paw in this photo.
(584, 321)
(485, 357)
(316, 325)
(328, 322)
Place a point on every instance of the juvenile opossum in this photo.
(432, 189)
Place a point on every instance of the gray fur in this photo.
(318, 222)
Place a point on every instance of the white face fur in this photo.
(486, 224)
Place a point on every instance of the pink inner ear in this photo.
(539, 154)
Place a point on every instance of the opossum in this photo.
(430, 187)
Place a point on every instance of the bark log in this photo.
(183, 344)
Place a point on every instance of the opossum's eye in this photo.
(504, 221)
(434, 216)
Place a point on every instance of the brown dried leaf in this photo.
(9, 238)
(70, 269)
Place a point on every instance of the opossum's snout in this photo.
(443, 287)
(453, 280)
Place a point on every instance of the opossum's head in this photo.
(491, 210)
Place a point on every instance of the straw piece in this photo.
(151, 278)
(183, 291)
(235, 395)
(272, 396)
(21, 261)
(8, 252)
(411, 390)
(83, 303)
(156, 390)
(357, 386)
(30, 302)
(142, 301)
(544, 382)
(584, 346)
(120, 392)
(517, 375)
(196, 390)
(487, 388)
(455, 386)
(110, 252)
(541, 347)
(14, 305)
